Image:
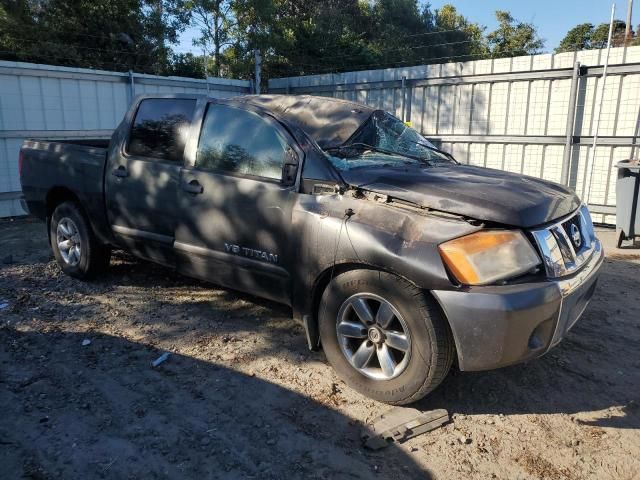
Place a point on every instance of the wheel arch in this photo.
(310, 319)
(56, 196)
(60, 194)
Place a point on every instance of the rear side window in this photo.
(160, 128)
(240, 142)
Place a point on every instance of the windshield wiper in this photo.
(434, 149)
(378, 149)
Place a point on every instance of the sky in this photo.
(553, 18)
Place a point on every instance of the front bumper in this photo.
(496, 326)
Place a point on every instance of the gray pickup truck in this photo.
(397, 259)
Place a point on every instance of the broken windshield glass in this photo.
(384, 139)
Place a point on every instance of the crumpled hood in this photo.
(480, 193)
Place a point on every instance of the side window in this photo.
(160, 128)
(237, 141)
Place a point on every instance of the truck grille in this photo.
(567, 245)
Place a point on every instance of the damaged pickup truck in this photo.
(397, 259)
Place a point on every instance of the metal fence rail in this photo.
(532, 115)
(44, 101)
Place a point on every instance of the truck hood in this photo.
(476, 192)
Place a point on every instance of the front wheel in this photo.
(384, 336)
(75, 247)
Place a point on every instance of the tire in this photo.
(419, 369)
(68, 222)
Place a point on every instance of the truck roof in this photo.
(328, 121)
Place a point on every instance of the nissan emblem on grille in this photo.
(568, 244)
(576, 238)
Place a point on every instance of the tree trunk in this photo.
(216, 42)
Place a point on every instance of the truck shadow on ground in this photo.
(592, 375)
(594, 371)
(73, 411)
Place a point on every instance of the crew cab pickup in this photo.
(397, 259)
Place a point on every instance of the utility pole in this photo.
(258, 62)
(627, 30)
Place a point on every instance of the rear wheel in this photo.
(75, 247)
(384, 336)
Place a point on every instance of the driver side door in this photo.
(236, 207)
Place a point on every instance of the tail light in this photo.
(20, 162)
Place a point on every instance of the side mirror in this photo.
(290, 167)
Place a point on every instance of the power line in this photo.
(415, 47)
(412, 61)
(311, 67)
(315, 66)
(81, 47)
(101, 64)
(405, 37)
(435, 32)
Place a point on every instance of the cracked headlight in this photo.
(489, 255)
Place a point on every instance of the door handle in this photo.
(193, 187)
(120, 171)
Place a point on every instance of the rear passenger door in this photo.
(142, 177)
(236, 205)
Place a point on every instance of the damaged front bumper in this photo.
(496, 326)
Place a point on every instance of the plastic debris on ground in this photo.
(160, 359)
(400, 424)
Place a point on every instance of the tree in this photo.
(295, 37)
(318, 36)
(465, 39)
(187, 65)
(110, 34)
(586, 37)
(578, 38)
(216, 22)
(302, 37)
(600, 35)
(513, 38)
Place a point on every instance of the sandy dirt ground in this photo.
(242, 397)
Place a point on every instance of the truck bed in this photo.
(64, 166)
(87, 142)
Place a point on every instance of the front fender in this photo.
(343, 230)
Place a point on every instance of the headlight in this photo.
(489, 255)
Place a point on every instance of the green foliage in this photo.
(513, 38)
(463, 38)
(316, 36)
(586, 36)
(578, 38)
(187, 65)
(295, 37)
(600, 35)
(216, 22)
(106, 34)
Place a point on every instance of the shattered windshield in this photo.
(384, 140)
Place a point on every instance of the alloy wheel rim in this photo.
(373, 336)
(68, 241)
